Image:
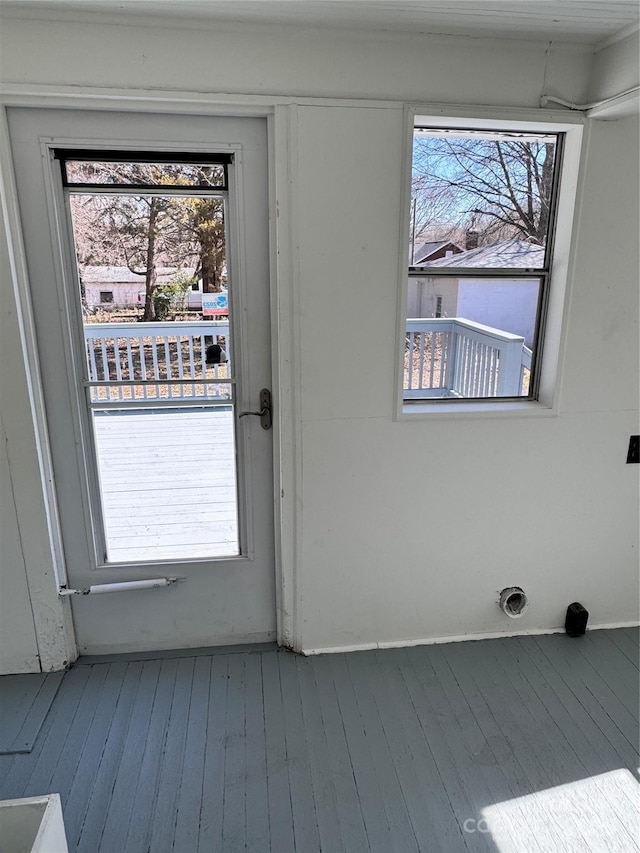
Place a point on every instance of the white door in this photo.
(158, 474)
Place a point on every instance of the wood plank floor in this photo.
(168, 483)
(24, 705)
(508, 746)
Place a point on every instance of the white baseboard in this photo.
(459, 638)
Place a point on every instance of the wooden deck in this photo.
(521, 745)
(168, 482)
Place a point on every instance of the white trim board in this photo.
(248, 103)
(218, 103)
(45, 569)
(458, 638)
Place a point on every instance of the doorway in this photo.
(151, 309)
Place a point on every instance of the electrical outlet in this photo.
(634, 449)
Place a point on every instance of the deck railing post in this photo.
(451, 365)
(509, 371)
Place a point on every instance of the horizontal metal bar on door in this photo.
(180, 328)
(121, 586)
(165, 403)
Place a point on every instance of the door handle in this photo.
(265, 410)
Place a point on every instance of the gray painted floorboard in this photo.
(518, 745)
(24, 704)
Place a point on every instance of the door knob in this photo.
(265, 409)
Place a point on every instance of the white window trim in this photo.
(499, 118)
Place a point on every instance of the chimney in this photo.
(471, 239)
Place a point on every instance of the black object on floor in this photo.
(576, 622)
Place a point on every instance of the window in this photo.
(142, 170)
(483, 224)
(158, 224)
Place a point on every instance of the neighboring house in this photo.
(433, 251)
(117, 287)
(502, 303)
(506, 253)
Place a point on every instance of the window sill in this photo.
(475, 408)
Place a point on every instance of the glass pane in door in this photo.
(152, 272)
(168, 482)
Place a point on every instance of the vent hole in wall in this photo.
(513, 601)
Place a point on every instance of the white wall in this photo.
(406, 530)
(18, 644)
(616, 68)
(411, 528)
(501, 303)
(125, 295)
(156, 54)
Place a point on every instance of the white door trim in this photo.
(43, 554)
(285, 358)
(284, 278)
(65, 271)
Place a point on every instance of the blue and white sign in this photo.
(214, 304)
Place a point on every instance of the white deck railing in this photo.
(143, 364)
(146, 364)
(454, 357)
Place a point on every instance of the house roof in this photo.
(507, 253)
(123, 275)
(424, 252)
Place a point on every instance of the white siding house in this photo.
(117, 287)
(500, 303)
(507, 304)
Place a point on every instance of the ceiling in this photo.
(590, 22)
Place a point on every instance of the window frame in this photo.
(552, 314)
(88, 155)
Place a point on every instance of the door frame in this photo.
(65, 270)
(52, 612)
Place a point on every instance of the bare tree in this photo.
(201, 225)
(122, 230)
(146, 231)
(498, 184)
